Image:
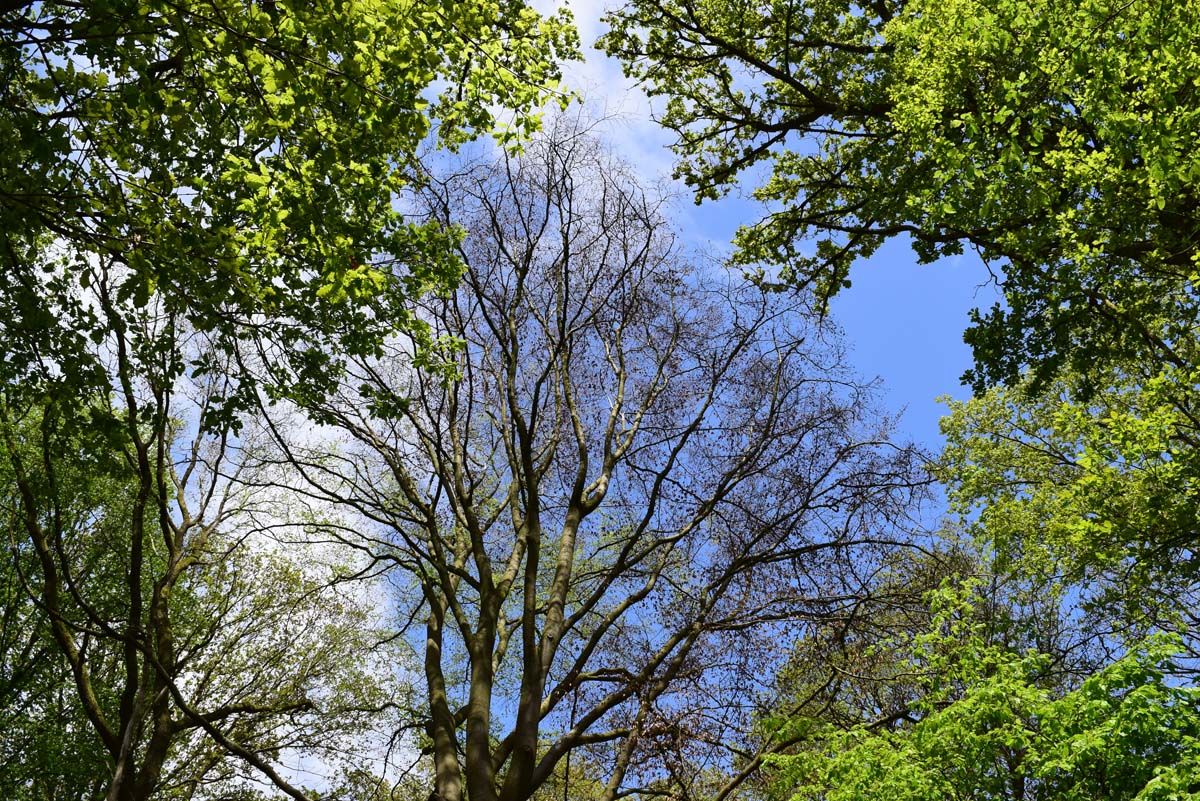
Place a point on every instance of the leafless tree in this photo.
(646, 477)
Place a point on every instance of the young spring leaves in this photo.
(1056, 139)
(240, 164)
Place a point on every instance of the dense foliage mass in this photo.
(992, 724)
(1102, 493)
(334, 465)
(241, 164)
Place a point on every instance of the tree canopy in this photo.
(340, 460)
(1101, 493)
(242, 163)
(990, 726)
(1055, 140)
(182, 185)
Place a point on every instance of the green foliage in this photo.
(991, 727)
(204, 199)
(1055, 139)
(48, 740)
(870, 667)
(300, 661)
(1104, 493)
(47, 749)
(240, 164)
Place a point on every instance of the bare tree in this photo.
(645, 478)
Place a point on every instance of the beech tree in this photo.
(1053, 139)
(646, 473)
(241, 162)
(174, 649)
(888, 661)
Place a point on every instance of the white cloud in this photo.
(609, 94)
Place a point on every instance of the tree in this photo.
(645, 475)
(47, 751)
(1053, 139)
(241, 162)
(1101, 495)
(179, 178)
(1094, 499)
(153, 641)
(1048, 138)
(857, 670)
(989, 726)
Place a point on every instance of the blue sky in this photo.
(903, 321)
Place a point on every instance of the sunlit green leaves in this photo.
(1055, 139)
(244, 164)
(1127, 732)
(1104, 493)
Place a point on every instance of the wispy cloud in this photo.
(609, 94)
